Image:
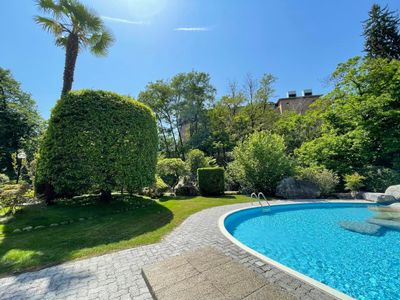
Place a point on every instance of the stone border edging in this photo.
(317, 284)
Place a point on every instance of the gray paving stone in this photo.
(108, 274)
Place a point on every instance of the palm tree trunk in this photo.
(71, 54)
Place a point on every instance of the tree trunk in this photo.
(71, 54)
(164, 137)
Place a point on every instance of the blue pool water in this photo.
(308, 239)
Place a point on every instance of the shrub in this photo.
(261, 162)
(171, 169)
(326, 180)
(197, 159)
(354, 182)
(97, 141)
(4, 178)
(211, 181)
(157, 189)
(378, 179)
(14, 195)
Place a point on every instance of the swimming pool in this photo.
(307, 238)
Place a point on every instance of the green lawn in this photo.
(107, 227)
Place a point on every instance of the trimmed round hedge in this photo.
(97, 141)
(211, 181)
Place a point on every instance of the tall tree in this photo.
(20, 123)
(75, 27)
(381, 32)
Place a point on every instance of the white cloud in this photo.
(122, 20)
(192, 29)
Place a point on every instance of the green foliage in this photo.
(14, 195)
(381, 32)
(325, 179)
(261, 162)
(157, 189)
(171, 169)
(354, 182)
(197, 159)
(20, 123)
(4, 178)
(211, 181)
(361, 121)
(98, 140)
(378, 179)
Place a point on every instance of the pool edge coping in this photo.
(315, 283)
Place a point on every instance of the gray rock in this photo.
(53, 224)
(385, 199)
(361, 227)
(186, 187)
(386, 223)
(393, 190)
(17, 230)
(81, 219)
(27, 228)
(63, 223)
(371, 196)
(39, 227)
(291, 188)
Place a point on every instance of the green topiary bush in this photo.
(171, 169)
(211, 181)
(97, 141)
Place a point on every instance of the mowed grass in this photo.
(124, 223)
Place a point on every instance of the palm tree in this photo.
(75, 27)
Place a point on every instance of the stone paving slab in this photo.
(117, 275)
(212, 275)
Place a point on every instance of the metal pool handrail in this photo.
(265, 199)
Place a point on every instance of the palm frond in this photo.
(82, 16)
(99, 43)
(50, 25)
(61, 41)
(49, 6)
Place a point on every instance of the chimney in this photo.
(307, 92)
(291, 94)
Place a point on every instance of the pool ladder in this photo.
(257, 197)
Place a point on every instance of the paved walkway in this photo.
(118, 275)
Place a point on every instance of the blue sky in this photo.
(300, 42)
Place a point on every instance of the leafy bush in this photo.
(4, 178)
(97, 141)
(171, 169)
(378, 179)
(261, 162)
(197, 159)
(14, 195)
(325, 179)
(211, 181)
(157, 189)
(354, 182)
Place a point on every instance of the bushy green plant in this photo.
(157, 189)
(354, 182)
(261, 162)
(14, 195)
(211, 181)
(171, 169)
(4, 178)
(378, 179)
(97, 141)
(325, 179)
(197, 159)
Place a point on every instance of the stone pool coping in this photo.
(317, 284)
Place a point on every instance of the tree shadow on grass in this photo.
(168, 198)
(40, 248)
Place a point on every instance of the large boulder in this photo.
(393, 190)
(291, 188)
(186, 187)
